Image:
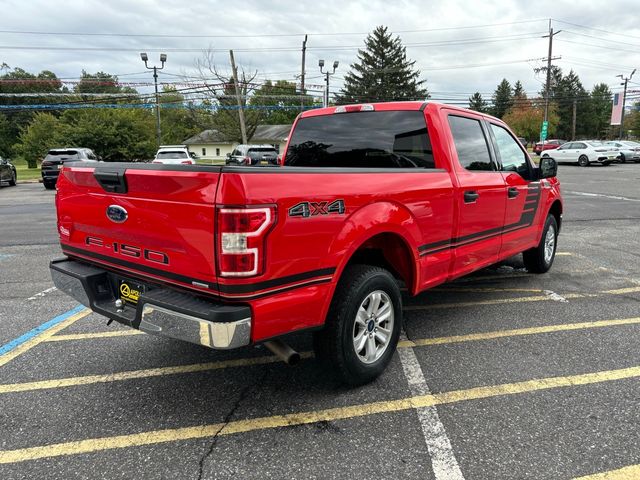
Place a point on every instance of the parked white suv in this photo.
(174, 154)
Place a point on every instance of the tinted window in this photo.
(470, 143)
(62, 155)
(390, 139)
(165, 155)
(578, 145)
(512, 157)
(262, 151)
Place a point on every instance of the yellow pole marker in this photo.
(631, 472)
(301, 418)
(28, 345)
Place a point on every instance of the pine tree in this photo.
(382, 73)
(477, 103)
(502, 99)
(518, 91)
(600, 110)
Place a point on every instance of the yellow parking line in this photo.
(302, 418)
(87, 336)
(137, 374)
(486, 289)
(631, 472)
(622, 291)
(245, 362)
(28, 345)
(472, 337)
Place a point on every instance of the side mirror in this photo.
(548, 167)
(228, 155)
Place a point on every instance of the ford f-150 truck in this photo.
(366, 196)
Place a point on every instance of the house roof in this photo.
(205, 137)
(263, 134)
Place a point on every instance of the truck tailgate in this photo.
(157, 221)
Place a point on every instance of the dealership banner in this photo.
(616, 109)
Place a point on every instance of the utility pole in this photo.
(304, 51)
(145, 59)
(243, 130)
(573, 123)
(327, 74)
(624, 100)
(549, 58)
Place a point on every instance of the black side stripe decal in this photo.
(229, 289)
(526, 219)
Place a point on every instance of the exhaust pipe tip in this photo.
(283, 351)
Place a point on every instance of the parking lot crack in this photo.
(244, 394)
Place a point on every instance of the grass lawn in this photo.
(25, 173)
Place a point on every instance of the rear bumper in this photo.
(50, 175)
(159, 310)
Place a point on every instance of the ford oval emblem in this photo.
(117, 214)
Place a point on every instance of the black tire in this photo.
(334, 345)
(535, 259)
(49, 185)
(583, 161)
(13, 180)
(606, 164)
(622, 159)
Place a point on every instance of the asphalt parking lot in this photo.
(502, 374)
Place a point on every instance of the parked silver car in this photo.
(584, 153)
(253, 155)
(629, 151)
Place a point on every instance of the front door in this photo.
(480, 197)
(523, 195)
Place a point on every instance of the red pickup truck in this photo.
(365, 196)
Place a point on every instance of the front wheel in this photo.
(363, 325)
(583, 161)
(539, 259)
(13, 179)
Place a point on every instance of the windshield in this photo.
(389, 139)
(178, 154)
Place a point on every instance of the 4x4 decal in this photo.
(311, 209)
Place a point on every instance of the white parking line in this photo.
(42, 293)
(443, 461)
(612, 197)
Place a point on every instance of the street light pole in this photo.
(327, 74)
(624, 100)
(145, 59)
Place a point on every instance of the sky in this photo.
(459, 46)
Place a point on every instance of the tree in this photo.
(221, 98)
(5, 137)
(600, 111)
(117, 134)
(382, 72)
(525, 118)
(477, 103)
(100, 82)
(518, 91)
(569, 90)
(37, 138)
(283, 99)
(179, 117)
(502, 99)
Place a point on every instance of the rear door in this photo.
(523, 195)
(480, 195)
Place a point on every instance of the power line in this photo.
(159, 35)
(595, 29)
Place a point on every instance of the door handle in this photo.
(513, 192)
(470, 196)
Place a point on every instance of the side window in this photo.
(579, 146)
(512, 157)
(470, 143)
(235, 152)
(91, 155)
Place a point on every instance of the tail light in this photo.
(241, 239)
(247, 160)
(187, 162)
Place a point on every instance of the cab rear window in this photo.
(389, 139)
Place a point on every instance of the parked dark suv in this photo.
(54, 160)
(252, 155)
(7, 172)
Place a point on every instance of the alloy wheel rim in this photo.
(549, 244)
(373, 327)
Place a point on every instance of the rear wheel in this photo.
(583, 161)
(49, 185)
(539, 259)
(606, 164)
(363, 325)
